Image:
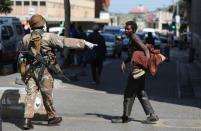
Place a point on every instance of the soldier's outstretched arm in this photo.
(74, 43)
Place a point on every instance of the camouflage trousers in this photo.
(45, 86)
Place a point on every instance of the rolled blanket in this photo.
(140, 61)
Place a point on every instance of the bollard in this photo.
(191, 55)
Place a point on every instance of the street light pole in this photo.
(177, 18)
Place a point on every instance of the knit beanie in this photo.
(36, 21)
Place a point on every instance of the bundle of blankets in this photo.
(141, 64)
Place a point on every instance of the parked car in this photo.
(56, 30)
(11, 34)
(115, 30)
(110, 43)
(157, 42)
(164, 39)
(141, 35)
(146, 30)
(125, 44)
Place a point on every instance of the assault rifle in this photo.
(55, 68)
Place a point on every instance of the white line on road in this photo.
(178, 81)
(83, 90)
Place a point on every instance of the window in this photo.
(18, 2)
(10, 30)
(42, 3)
(4, 30)
(26, 3)
(34, 3)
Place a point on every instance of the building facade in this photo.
(53, 10)
(162, 18)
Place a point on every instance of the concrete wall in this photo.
(196, 27)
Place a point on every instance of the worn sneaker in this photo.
(121, 120)
(152, 118)
(54, 120)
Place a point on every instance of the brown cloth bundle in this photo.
(140, 61)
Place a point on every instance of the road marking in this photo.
(84, 118)
(178, 81)
(167, 123)
(84, 90)
(107, 62)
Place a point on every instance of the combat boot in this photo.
(27, 124)
(127, 107)
(54, 120)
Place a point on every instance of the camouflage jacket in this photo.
(50, 41)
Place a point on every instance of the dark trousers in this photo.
(135, 87)
(96, 69)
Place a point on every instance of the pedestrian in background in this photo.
(39, 77)
(100, 51)
(118, 45)
(150, 39)
(135, 86)
(82, 53)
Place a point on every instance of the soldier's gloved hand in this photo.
(90, 45)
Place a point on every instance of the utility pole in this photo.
(67, 16)
(177, 18)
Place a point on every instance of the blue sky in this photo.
(123, 6)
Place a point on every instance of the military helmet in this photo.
(37, 21)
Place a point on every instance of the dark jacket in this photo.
(96, 38)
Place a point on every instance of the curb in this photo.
(13, 101)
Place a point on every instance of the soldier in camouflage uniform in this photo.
(39, 80)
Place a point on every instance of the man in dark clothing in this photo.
(136, 79)
(150, 39)
(100, 50)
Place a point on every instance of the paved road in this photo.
(88, 107)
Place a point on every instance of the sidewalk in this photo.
(189, 74)
(90, 109)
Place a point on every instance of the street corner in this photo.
(179, 123)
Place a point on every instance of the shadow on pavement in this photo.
(109, 117)
(12, 108)
(163, 87)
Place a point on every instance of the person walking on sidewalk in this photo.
(35, 75)
(135, 84)
(100, 50)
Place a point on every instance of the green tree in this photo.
(5, 6)
(182, 8)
